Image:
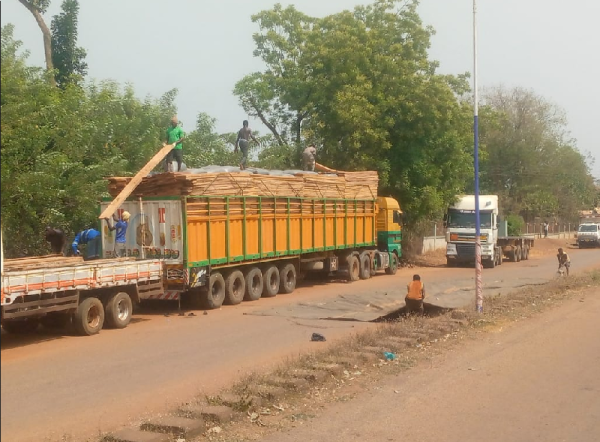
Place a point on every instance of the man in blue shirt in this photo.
(91, 238)
(121, 230)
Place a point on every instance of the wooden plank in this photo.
(324, 168)
(137, 179)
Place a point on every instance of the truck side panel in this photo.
(225, 230)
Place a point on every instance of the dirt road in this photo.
(536, 381)
(54, 385)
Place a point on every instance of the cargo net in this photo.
(254, 182)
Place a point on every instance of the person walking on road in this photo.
(243, 142)
(308, 157)
(563, 260)
(120, 226)
(174, 135)
(57, 240)
(416, 294)
(91, 238)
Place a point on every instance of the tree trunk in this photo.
(271, 127)
(45, 33)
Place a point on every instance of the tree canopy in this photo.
(67, 57)
(360, 84)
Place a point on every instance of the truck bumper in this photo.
(465, 252)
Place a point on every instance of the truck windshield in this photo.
(588, 228)
(466, 219)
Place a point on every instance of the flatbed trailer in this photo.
(54, 291)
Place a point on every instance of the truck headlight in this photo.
(451, 249)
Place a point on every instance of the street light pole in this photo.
(478, 282)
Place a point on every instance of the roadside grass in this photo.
(298, 389)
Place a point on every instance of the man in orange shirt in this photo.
(415, 295)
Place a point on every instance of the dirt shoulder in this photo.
(304, 388)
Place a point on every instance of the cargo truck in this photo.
(226, 249)
(495, 243)
(54, 291)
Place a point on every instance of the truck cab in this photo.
(460, 230)
(588, 235)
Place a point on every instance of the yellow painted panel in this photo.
(217, 240)
(307, 233)
(319, 239)
(268, 245)
(197, 231)
(236, 238)
(341, 241)
(295, 233)
(330, 239)
(252, 236)
(360, 229)
(281, 225)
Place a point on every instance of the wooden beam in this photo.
(135, 181)
(322, 168)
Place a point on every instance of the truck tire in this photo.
(365, 266)
(254, 284)
(118, 310)
(393, 268)
(235, 288)
(525, 253)
(353, 268)
(54, 321)
(287, 278)
(513, 255)
(215, 293)
(20, 326)
(271, 282)
(450, 262)
(89, 317)
(519, 253)
(489, 264)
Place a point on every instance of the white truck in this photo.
(495, 244)
(54, 290)
(588, 234)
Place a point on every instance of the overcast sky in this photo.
(550, 46)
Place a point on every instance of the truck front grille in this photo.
(465, 249)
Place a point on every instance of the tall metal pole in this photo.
(478, 282)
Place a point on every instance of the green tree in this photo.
(204, 147)
(360, 84)
(57, 146)
(67, 57)
(530, 159)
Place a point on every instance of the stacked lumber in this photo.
(38, 262)
(349, 185)
(361, 185)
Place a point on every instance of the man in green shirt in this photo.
(174, 135)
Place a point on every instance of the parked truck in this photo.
(54, 290)
(495, 243)
(225, 249)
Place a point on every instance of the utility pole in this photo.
(478, 282)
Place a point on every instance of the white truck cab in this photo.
(460, 230)
(588, 235)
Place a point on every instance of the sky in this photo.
(549, 46)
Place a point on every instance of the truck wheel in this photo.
(287, 279)
(489, 264)
(254, 284)
(235, 288)
(393, 268)
(353, 268)
(513, 255)
(525, 253)
(450, 262)
(365, 266)
(271, 282)
(119, 310)
(89, 317)
(215, 293)
(519, 253)
(20, 326)
(55, 321)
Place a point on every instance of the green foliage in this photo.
(68, 58)
(58, 144)
(360, 84)
(515, 225)
(204, 147)
(530, 160)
